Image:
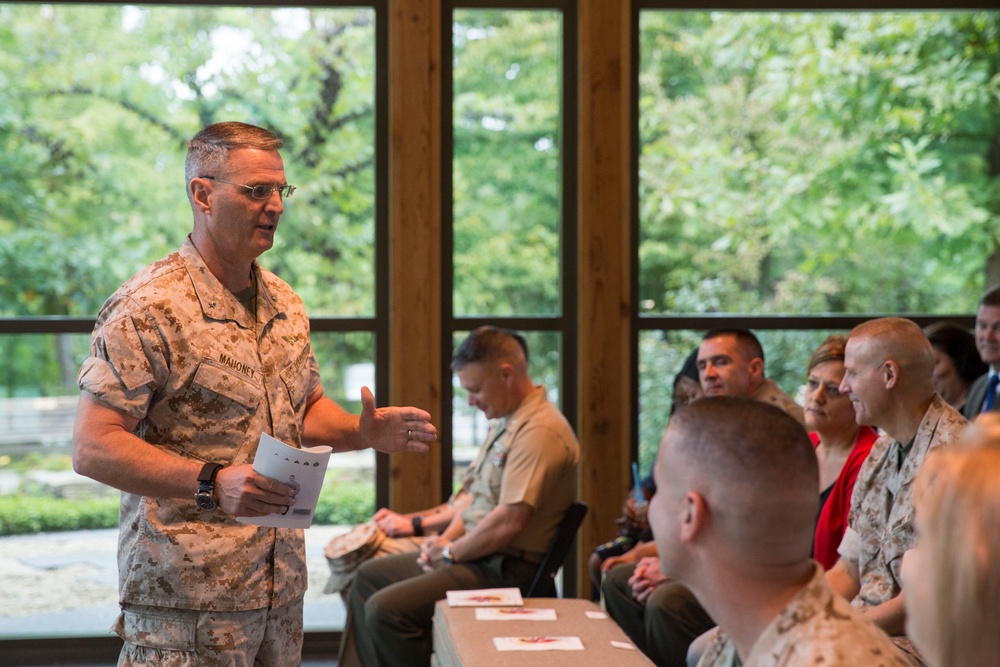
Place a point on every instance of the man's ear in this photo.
(695, 516)
(890, 373)
(506, 371)
(200, 191)
(756, 368)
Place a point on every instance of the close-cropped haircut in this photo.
(957, 502)
(746, 439)
(760, 469)
(208, 151)
(745, 338)
(490, 345)
(991, 297)
(901, 340)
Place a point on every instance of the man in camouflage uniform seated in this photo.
(888, 364)
(191, 360)
(662, 616)
(733, 519)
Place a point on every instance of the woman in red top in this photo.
(841, 445)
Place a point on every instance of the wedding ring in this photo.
(409, 434)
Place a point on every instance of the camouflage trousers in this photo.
(192, 638)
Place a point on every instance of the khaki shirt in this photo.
(176, 350)
(818, 628)
(529, 456)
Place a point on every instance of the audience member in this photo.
(633, 525)
(888, 364)
(951, 578)
(956, 361)
(733, 520)
(983, 392)
(662, 616)
(842, 445)
(525, 479)
(191, 360)
(731, 363)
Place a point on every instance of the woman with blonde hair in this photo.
(950, 578)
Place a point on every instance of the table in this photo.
(462, 641)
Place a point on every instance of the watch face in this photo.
(205, 500)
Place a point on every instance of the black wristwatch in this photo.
(204, 497)
(418, 525)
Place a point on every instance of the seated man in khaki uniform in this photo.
(525, 477)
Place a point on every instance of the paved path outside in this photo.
(66, 583)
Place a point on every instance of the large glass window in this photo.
(511, 233)
(507, 164)
(795, 163)
(816, 162)
(97, 103)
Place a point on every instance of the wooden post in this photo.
(605, 258)
(415, 235)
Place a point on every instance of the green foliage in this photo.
(23, 514)
(92, 147)
(345, 503)
(340, 503)
(809, 163)
(506, 171)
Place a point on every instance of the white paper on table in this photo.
(302, 467)
(486, 597)
(515, 614)
(538, 643)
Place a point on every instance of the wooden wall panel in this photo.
(415, 235)
(604, 288)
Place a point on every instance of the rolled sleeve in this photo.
(850, 546)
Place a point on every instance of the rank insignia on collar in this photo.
(290, 338)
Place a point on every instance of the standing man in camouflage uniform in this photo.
(524, 479)
(733, 519)
(888, 364)
(191, 360)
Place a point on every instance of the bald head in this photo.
(755, 469)
(888, 364)
(900, 340)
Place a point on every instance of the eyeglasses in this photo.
(259, 191)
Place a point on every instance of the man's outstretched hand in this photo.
(394, 429)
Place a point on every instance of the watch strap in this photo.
(418, 525)
(208, 472)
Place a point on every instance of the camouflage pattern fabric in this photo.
(818, 628)
(769, 392)
(176, 350)
(881, 507)
(191, 638)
